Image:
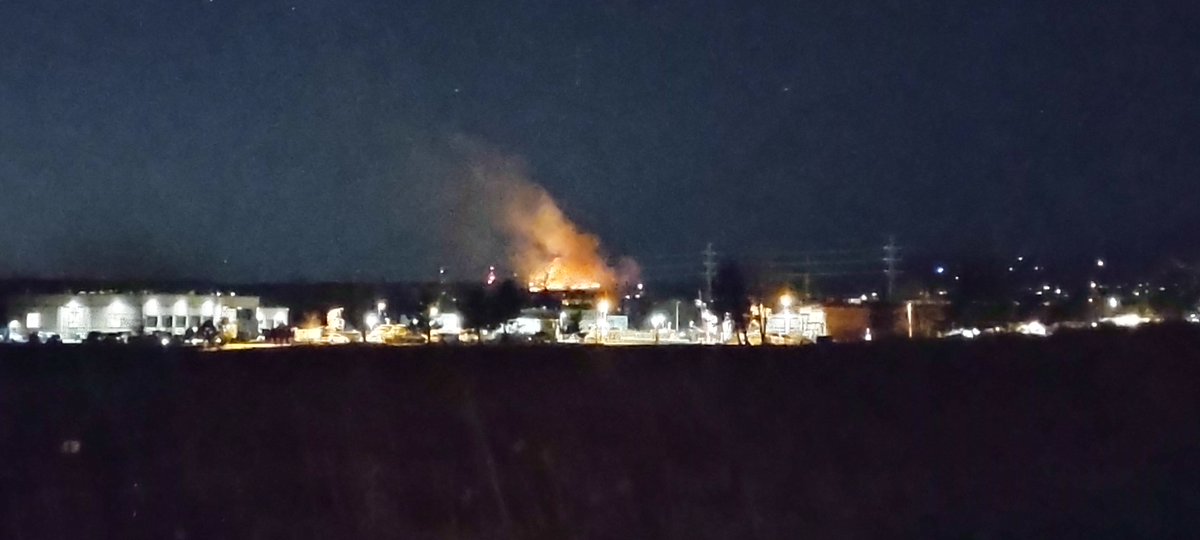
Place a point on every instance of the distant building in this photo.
(74, 316)
(807, 322)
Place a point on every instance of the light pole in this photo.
(786, 302)
(433, 313)
(602, 324)
(657, 321)
(677, 318)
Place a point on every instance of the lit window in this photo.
(75, 318)
(33, 321)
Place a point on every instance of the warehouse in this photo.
(73, 316)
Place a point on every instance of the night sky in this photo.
(265, 140)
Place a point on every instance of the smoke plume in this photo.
(544, 247)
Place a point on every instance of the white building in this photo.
(807, 322)
(74, 316)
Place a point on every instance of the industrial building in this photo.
(73, 317)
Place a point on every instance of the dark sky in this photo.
(265, 140)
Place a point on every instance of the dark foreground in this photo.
(1091, 436)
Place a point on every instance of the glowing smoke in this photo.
(543, 246)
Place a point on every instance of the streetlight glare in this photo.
(786, 300)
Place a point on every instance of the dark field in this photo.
(1088, 436)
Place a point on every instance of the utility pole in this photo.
(710, 271)
(891, 259)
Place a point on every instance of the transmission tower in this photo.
(891, 257)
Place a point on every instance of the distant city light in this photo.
(940, 270)
(1113, 302)
(1128, 320)
(1100, 262)
(1032, 328)
(1093, 284)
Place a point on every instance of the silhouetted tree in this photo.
(476, 308)
(426, 299)
(731, 296)
(507, 303)
(574, 322)
(486, 308)
(209, 333)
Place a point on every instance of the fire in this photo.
(554, 277)
(544, 246)
(549, 248)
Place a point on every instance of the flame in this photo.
(550, 249)
(544, 246)
(554, 277)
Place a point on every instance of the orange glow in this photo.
(548, 248)
(557, 276)
(544, 247)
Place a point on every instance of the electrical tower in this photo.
(891, 258)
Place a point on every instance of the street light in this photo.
(602, 308)
(786, 302)
(657, 321)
